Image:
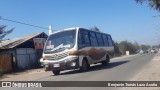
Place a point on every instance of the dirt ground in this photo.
(26, 75)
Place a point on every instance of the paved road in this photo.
(120, 69)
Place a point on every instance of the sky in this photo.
(123, 19)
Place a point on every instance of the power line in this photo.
(23, 23)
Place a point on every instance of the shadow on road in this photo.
(96, 67)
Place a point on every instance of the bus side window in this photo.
(93, 39)
(80, 41)
(99, 39)
(105, 40)
(79, 38)
(83, 39)
(110, 40)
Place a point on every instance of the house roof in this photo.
(8, 44)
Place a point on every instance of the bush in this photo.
(1, 72)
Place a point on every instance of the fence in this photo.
(6, 62)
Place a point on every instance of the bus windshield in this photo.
(60, 41)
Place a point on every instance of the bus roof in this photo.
(94, 31)
(67, 29)
(77, 28)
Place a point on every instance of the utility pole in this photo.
(50, 30)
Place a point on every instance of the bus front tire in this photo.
(56, 72)
(106, 62)
(45, 68)
(85, 66)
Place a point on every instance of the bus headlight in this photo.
(73, 64)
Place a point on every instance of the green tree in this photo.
(136, 45)
(127, 46)
(116, 49)
(145, 47)
(155, 4)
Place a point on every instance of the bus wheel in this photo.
(84, 66)
(56, 72)
(45, 68)
(106, 62)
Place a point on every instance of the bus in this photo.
(76, 48)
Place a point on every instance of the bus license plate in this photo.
(56, 65)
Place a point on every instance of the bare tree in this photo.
(3, 33)
(155, 4)
(94, 28)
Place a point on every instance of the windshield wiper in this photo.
(58, 47)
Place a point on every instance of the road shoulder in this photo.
(151, 72)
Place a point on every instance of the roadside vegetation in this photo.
(133, 48)
(1, 72)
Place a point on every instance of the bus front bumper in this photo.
(72, 63)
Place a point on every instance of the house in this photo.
(25, 51)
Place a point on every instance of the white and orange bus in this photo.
(76, 48)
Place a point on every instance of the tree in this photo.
(145, 47)
(116, 49)
(155, 4)
(155, 46)
(3, 33)
(127, 46)
(95, 28)
(137, 46)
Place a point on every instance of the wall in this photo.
(26, 58)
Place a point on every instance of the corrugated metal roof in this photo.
(7, 44)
